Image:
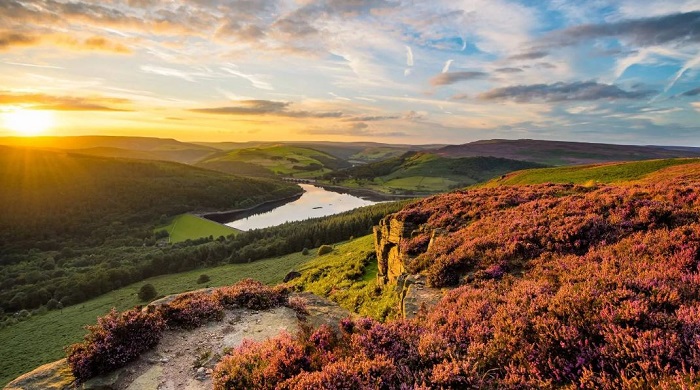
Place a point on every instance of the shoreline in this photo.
(223, 217)
(367, 193)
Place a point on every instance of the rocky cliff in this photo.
(391, 259)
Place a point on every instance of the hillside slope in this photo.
(117, 146)
(47, 198)
(597, 173)
(270, 160)
(552, 286)
(425, 172)
(564, 153)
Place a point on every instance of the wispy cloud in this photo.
(266, 107)
(446, 68)
(40, 101)
(454, 77)
(255, 80)
(561, 92)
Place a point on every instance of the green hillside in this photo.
(191, 227)
(425, 172)
(600, 173)
(146, 148)
(279, 159)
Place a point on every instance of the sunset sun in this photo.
(28, 123)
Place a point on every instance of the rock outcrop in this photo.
(415, 294)
(184, 359)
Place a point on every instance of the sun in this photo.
(28, 123)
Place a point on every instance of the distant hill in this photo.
(116, 146)
(353, 152)
(564, 153)
(271, 160)
(49, 197)
(597, 173)
(426, 172)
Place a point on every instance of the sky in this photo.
(403, 72)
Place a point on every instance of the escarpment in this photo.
(392, 259)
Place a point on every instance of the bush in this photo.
(190, 311)
(252, 294)
(116, 340)
(203, 278)
(147, 292)
(305, 251)
(324, 249)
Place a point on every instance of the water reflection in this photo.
(315, 202)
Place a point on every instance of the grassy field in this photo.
(348, 276)
(190, 227)
(41, 339)
(605, 173)
(283, 160)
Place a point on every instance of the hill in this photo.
(271, 160)
(116, 146)
(597, 173)
(564, 153)
(421, 172)
(548, 286)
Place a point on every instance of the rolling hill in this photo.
(590, 174)
(425, 172)
(564, 153)
(117, 146)
(274, 160)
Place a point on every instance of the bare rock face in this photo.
(415, 295)
(52, 376)
(387, 239)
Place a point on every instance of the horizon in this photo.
(614, 72)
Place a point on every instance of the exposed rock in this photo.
(52, 376)
(416, 297)
(322, 311)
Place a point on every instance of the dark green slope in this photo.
(47, 198)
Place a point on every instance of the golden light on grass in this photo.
(28, 123)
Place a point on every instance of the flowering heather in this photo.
(558, 287)
(252, 294)
(116, 340)
(191, 311)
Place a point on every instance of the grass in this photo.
(282, 160)
(191, 227)
(348, 276)
(41, 339)
(605, 173)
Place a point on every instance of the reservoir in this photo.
(315, 202)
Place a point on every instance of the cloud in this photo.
(371, 118)
(10, 40)
(354, 130)
(446, 68)
(40, 101)
(692, 92)
(531, 55)
(678, 28)
(409, 56)
(561, 92)
(255, 80)
(508, 70)
(266, 107)
(454, 77)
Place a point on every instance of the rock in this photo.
(416, 296)
(51, 376)
(321, 311)
(291, 276)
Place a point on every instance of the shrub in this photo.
(116, 340)
(305, 251)
(203, 278)
(252, 294)
(190, 311)
(324, 249)
(147, 292)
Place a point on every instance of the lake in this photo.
(315, 202)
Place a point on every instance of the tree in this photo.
(147, 292)
(203, 278)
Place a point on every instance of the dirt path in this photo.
(183, 360)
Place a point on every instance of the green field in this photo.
(41, 339)
(191, 227)
(282, 160)
(348, 276)
(606, 173)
